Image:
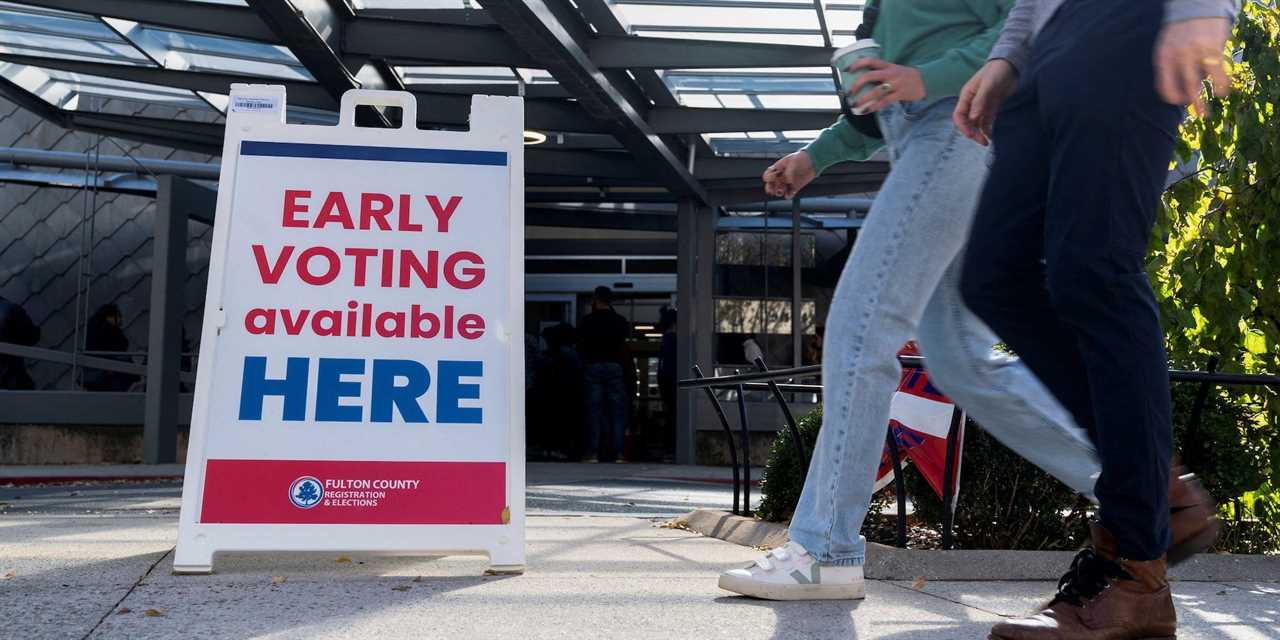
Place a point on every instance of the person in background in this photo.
(104, 333)
(555, 403)
(16, 328)
(602, 345)
(1090, 94)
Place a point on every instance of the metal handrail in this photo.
(83, 361)
(809, 371)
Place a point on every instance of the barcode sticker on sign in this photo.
(253, 103)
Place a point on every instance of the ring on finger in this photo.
(886, 87)
(1211, 61)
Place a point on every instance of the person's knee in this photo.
(1080, 290)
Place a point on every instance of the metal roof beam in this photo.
(418, 42)
(544, 31)
(218, 19)
(408, 42)
(463, 17)
(752, 168)
(595, 219)
(586, 164)
(201, 137)
(607, 21)
(311, 29)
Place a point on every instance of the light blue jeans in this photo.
(902, 282)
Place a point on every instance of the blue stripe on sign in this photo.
(385, 154)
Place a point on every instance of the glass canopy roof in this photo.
(61, 37)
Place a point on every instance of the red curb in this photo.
(30, 480)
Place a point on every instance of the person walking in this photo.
(603, 336)
(902, 279)
(1056, 263)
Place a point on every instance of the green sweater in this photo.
(947, 40)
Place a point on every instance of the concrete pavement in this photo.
(91, 565)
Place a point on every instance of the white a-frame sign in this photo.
(361, 376)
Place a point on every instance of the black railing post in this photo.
(948, 480)
(1192, 447)
(899, 487)
(728, 432)
(744, 427)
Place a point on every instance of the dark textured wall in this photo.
(45, 231)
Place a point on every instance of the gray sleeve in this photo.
(1014, 44)
(1179, 10)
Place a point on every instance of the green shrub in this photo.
(1007, 503)
(782, 481)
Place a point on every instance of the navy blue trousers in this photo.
(1055, 264)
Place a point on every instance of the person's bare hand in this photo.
(1186, 53)
(896, 83)
(786, 177)
(980, 99)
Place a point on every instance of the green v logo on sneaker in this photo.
(814, 575)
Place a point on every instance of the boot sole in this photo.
(753, 589)
(1182, 552)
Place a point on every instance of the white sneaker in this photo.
(790, 573)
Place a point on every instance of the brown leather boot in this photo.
(1102, 598)
(1193, 516)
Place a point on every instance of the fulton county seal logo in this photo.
(306, 492)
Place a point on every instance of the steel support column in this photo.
(695, 261)
(168, 275)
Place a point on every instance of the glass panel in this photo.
(810, 40)
(182, 51)
(65, 24)
(68, 90)
(25, 43)
(217, 45)
(814, 80)
(719, 17)
(758, 249)
(417, 4)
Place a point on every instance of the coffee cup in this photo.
(846, 56)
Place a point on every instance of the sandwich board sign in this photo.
(361, 377)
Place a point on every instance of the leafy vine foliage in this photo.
(1215, 262)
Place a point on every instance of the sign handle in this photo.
(374, 98)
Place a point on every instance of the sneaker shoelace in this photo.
(1088, 576)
